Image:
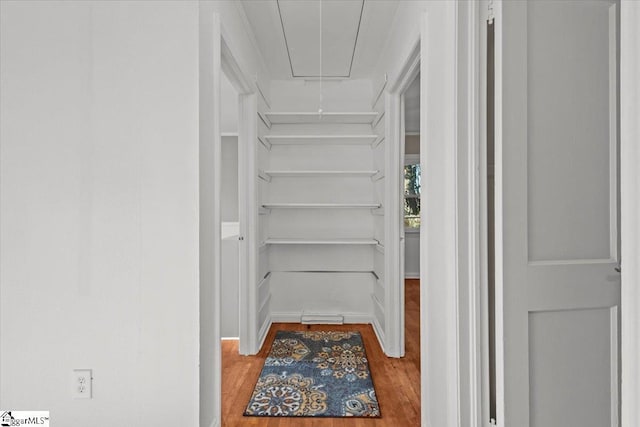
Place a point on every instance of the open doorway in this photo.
(230, 226)
(412, 180)
(410, 221)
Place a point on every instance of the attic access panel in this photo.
(301, 27)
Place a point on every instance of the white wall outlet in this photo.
(81, 384)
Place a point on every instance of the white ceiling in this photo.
(288, 34)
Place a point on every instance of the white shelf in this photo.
(325, 173)
(320, 205)
(320, 139)
(337, 241)
(314, 117)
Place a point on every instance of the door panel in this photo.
(565, 361)
(556, 176)
(568, 62)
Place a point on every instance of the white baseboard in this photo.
(295, 317)
(262, 334)
(379, 334)
(412, 275)
(215, 423)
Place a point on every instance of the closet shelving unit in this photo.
(319, 205)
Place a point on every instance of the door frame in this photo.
(630, 208)
(217, 57)
(445, 53)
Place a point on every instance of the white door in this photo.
(558, 293)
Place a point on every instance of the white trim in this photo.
(498, 208)
(264, 330)
(475, 384)
(614, 371)
(377, 329)
(410, 275)
(217, 57)
(215, 423)
(394, 220)
(613, 132)
(440, 257)
(295, 316)
(630, 203)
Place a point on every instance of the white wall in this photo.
(229, 177)
(412, 254)
(229, 123)
(99, 227)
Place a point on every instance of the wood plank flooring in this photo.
(397, 381)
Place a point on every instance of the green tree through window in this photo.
(412, 196)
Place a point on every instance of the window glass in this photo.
(412, 196)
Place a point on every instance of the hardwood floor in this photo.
(397, 381)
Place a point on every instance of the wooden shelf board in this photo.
(366, 117)
(306, 241)
(320, 205)
(320, 139)
(307, 173)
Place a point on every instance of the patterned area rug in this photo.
(315, 374)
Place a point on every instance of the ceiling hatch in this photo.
(301, 26)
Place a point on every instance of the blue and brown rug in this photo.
(315, 374)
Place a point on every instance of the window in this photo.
(412, 195)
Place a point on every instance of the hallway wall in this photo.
(99, 185)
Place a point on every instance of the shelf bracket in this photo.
(263, 211)
(380, 91)
(377, 142)
(377, 119)
(263, 176)
(377, 176)
(264, 119)
(266, 101)
(265, 143)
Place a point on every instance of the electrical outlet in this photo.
(81, 384)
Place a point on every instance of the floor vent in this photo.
(310, 319)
